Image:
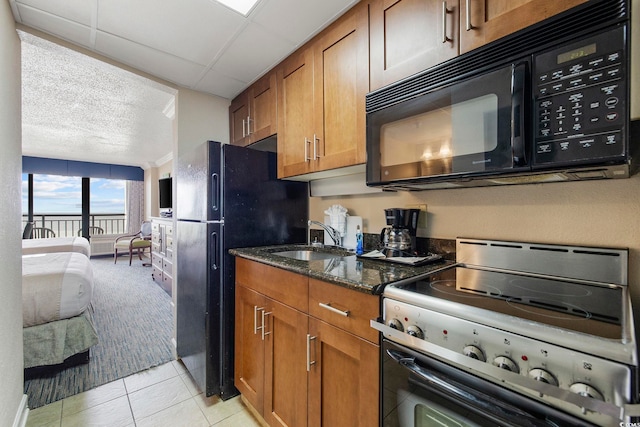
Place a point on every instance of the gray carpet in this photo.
(134, 322)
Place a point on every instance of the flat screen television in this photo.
(164, 188)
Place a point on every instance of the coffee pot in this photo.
(398, 239)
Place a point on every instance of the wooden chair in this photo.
(133, 242)
(42, 233)
(93, 230)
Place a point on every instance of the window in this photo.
(57, 203)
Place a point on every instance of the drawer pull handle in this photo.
(256, 309)
(309, 361)
(333, 309)
(264, 326)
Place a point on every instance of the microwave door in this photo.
(464, 129)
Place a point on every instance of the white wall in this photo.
(11, 365)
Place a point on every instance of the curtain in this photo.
(134, 205)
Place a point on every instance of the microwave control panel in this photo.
(580, 96)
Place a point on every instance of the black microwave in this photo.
(558, 112)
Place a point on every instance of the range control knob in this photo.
(543, 376)
(396, 324)
(586, 390)
(474, 352)
(505, 363)
(415, 331)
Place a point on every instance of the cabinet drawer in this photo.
(156, 261)
(168, 242)
(167, 266)
(156, 273)
(284, 286)
(325, 298)
(168, 230)
(155, 227)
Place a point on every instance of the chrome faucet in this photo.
(333, 233)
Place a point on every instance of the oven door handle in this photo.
(585, 403)
(470, 397)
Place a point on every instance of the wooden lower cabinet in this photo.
(344, 380)
(296, 369)
(285, 393)
(249, 347)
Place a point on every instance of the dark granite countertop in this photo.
(364, 275)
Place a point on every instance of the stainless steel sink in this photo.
(307, 255)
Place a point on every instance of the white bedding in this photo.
(55, 286)
(56, 244)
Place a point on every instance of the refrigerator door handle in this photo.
(214, 251)
(215, 192)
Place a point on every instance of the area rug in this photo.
(134, 321)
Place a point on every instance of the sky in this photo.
(54, 194)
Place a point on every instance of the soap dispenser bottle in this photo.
(359, 243)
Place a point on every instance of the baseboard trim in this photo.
(22, 414)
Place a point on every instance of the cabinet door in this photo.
(262, 108)
(483, 21)
(408, 36)
(285, 400)
(295, 114)
(341, 81)
(238, 115)
(249, 347)
(344, 380)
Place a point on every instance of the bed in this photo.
(57, 289)
(56, 244)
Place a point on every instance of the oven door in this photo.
(468, 128)
(420, 391)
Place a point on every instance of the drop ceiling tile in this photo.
(254, 52)
(79, 11)
(195, 30)
(221, 85)
(301, 18)
(145, 59)
(62, 28)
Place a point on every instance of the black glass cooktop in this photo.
(587, 308)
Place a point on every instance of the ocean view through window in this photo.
(57, 204)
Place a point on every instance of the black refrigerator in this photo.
(227, 197)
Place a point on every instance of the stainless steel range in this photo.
(513, 334)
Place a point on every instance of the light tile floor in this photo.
(164, 396)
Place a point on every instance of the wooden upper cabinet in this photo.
(321, 90)
(341, 81)
(252, 114)
(238, 114)
(295, 113)
(408, 36)
(483, 21)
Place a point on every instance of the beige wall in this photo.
(593, 213)
(200, 117)
(12, 405)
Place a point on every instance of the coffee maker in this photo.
(399, 238)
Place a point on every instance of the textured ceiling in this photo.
(197, 44)
(79, 108)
